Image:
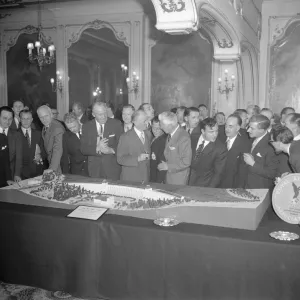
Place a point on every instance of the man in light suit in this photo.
(178, 151)
(134, 150)
(99, 141)
(262, 161)
(52, 135)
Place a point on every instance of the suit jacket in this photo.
(243, 131)
(84, 119)
(102, 165)
(157, 155)
(284, 164)
(295, 156)
(262, 174)
(15, 152)
(53, 144)
(29, 167)
(73, 161)
(14, 126)
(129, 148)
(5, 172)
(178, 153)
(221, 134)
(235, 172)
(207, 171)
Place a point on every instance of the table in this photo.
(120, 257)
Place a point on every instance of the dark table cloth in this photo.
(121, 257)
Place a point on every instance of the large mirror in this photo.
(95, 71)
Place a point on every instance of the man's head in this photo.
(148, 109)
(252, 110)
(54, 113)
(292, 122)
(99, 111)
(168, 121)
(281, 136)
(45, 115)
(203, 111)
(17, 106)
(285, 112)
(110, 110)
(243, 115)
(233, 125)
(77, 109)
(26, 118)
(258, 125)
(156, 130)
(72, 122)
(220, 118)
(192, 117)
(6, 116)
(180, 114)
(140, 120)
(127, 113)
(269, 114)
(209, 129)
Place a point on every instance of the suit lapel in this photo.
(261, 144)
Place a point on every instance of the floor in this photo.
(21, 292)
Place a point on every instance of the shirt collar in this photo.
(5, 130)
(24, 130)
(257, 140)
(297, 137)
(201, 139)
(174, 131)
(138, 132)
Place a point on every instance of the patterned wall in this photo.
(285, 71)
(181, 71)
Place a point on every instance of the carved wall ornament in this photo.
(225, 44)
(74, 31)
(170, 6)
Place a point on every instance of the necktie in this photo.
(142, 137)
(45, 130)
(253, 145)
(28, 138)
(101, 131)
(199, 150)
(169, 138)
(228, 144)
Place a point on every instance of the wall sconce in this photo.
(133, 84)
(227, 86)
(57, 86)
(124, 70)
(97, 92)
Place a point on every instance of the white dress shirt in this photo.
(29, 131)
(17, 121)
(257, 140)
(230, 142)
(98, 127)
(4, 130)
(200, 141)
(140, 134)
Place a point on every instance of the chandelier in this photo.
(41, 57)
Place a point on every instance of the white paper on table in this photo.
(87, 212)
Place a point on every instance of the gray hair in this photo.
(136, 114)
(70, 118)
(100, 104)
(168, 118)
(46, 107)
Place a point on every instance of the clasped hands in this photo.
(163, 166)
(102, 147)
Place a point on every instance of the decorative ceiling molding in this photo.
(223, 36)
(176, 16)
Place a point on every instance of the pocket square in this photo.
(111, 135)
(172, 148)
(258, 154)
(4, 147)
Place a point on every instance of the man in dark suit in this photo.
(52, 135)
(32, 147)
(284, 113)
(261, 160)
(192, 119)
(5, 173)
(79, 111)
(157, 152)
(235, 172)
(14, 142)
(17, 106)
(242, 113)
(209, 157)
(73, 161)
(127, 113)
(100, 138)
(134, 150)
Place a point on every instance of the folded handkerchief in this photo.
(172, 148)
(4, 147)
(111, 135)
(258, 154)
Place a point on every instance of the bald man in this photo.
(52, 135)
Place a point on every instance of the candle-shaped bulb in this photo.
(125, 68)
(134, 73)
(94, 94)
(122, 66)
(137, 77)
(52, 80)
(219, 80)
(60, 77)
(226, 72)
(57, 72)
(44, 51)
(127, 79)
(232, 78)
(38, 44)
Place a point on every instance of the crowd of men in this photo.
(184, 146)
